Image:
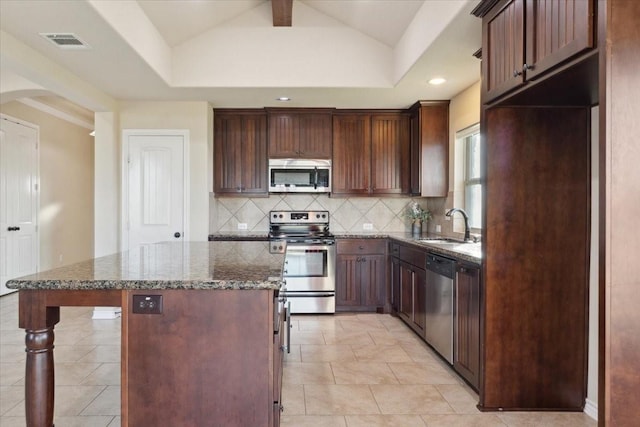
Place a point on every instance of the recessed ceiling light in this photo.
(436, 81)
(283, 98)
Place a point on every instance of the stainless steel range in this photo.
(310, 258)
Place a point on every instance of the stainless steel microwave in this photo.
(299, 176)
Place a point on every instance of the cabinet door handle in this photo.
(517, 73)
(526, 67)
(361, 247)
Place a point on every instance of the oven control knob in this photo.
(281, 215)
(317, 215)
(274, 247)
(324, 215)
(275, 215)
(280, 247)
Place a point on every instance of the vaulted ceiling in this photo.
(336, 53)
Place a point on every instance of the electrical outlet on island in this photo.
(242, 226)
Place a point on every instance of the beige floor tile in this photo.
(71, 353)
(545, 419)
(106, 403)
(380, 353)
(12, 353)
(359, 324)
(384, 421)
(105, 374)
(69, 400)
(293, 355)
(84, 421)
(73, 373)
(307, 337)
(102, 354)
(422, 373)
(10, 373)
(10, 397)
(410, 399)
(339, 400)
(318, 324)
(458, 420)
(293, 399)
(349, 337)
(383, 337)
(312, 421)
(459, 398)
(108, 337)
(308, 373)
(326, 353)
(363, 373)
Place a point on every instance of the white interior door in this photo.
(155, 187)
(18, 201)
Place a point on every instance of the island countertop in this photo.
(169, 265)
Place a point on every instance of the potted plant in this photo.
(417, 215)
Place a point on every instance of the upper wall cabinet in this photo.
(371, 153)
(430, 148)
(521, 40)
(300, 133)
(240, 153)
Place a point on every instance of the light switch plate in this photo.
(438, 228)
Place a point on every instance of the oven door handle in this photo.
(311, 295)
(315, 178)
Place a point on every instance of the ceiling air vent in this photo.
(65, 40)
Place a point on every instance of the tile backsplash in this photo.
(347, 214)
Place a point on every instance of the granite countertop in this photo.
(169, 265)
(469, 252)
(239, 235)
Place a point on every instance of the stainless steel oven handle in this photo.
(288, 327)
(312, 295)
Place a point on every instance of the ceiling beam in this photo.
(281, 10)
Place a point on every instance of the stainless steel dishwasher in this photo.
(438, 330)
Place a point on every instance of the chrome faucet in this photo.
(467, 235)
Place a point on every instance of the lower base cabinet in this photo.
(213, 357)
(467, 324)
(361, 274)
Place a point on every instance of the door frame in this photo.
(38, 184)
(124, 214)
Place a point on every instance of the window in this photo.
(472, 180)
(469, 142)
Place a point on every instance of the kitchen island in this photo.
(201, 331)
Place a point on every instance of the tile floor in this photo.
(349, 370)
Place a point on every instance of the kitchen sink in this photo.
(441, 240)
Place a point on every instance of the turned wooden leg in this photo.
(39, 377)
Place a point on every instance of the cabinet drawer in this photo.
(361, 246)
(413, 256)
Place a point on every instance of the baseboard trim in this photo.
(591, 409)
(103, 313)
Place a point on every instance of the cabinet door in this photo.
(390, 171)
(405, 305)
(315, 135)
(467, 324)
(254, 155)
(372, 280)
(351, 154)
(394, 292)
(240, 154)
(228, 137)
(556, 31)
(503, 48)
(284, 135)
(348, 280)
(415, 158)
(419, 299)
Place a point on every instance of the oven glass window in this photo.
(306, 263)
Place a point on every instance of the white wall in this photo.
(66, 187)
(107, 184)
(196, 118)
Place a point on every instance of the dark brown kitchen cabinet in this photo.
(429, 164)
(226, 347)
(360, 274)
(300, 133)
(370, 153)
(351, 168)
(390, 173)
(240, 153)
(466, 323)
(412, 288)
(521, 40)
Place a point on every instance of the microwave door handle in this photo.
(315, 179)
